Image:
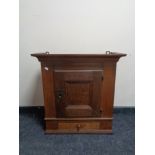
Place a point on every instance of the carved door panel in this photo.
(78, 92)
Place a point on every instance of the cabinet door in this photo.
(78, 92)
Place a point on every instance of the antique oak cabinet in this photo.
(78, 91)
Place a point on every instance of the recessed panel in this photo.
(78, 92)
(78, 98)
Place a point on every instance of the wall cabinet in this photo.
(78, 91)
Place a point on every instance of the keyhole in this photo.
(60, 95)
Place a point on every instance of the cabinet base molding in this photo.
(79, 125)
(70, 119)
(75, 132)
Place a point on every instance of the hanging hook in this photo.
(108, 52)
(47, 52)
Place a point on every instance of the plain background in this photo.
(76, 26)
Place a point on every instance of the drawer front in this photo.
(77, 126)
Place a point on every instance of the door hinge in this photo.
(102, 78)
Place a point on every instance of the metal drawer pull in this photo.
(78, 126)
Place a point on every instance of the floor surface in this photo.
(33, 141)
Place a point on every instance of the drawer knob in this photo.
(78, 126)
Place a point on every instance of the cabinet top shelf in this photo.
(78, 58)
(107, 54)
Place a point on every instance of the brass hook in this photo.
(108, 52)
(47, 52)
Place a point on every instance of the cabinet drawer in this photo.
(77, 126)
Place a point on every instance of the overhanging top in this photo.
(110, 54)
(74, 58)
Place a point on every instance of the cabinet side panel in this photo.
(108, 88)
(48, 90)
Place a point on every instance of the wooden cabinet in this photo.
(78, 91)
